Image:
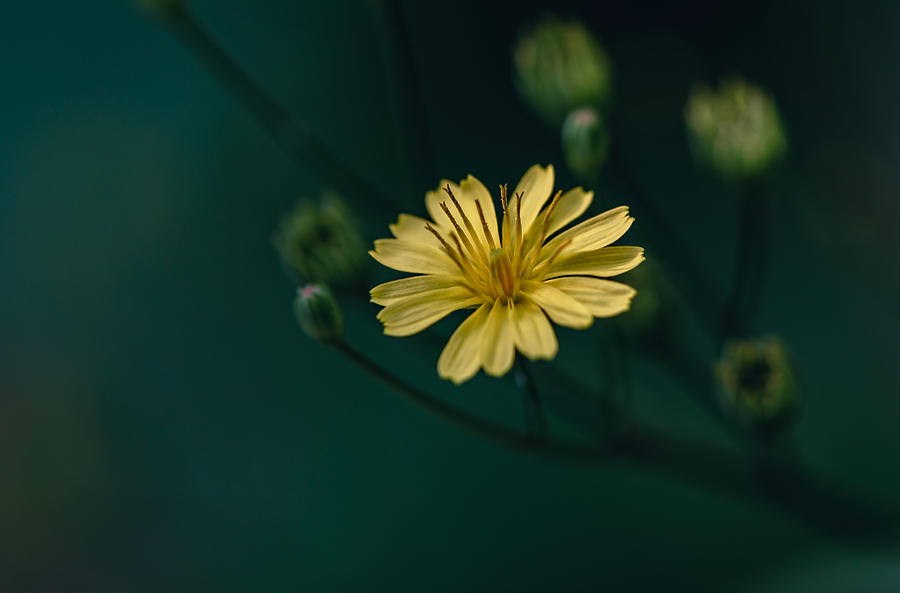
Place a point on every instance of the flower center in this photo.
(503, 279)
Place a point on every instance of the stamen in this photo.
(484, 226)
(467, 265)
(503, 200)
(465, 219)
(447, 247)
(459, 230)
(547, 214)
(519, 220)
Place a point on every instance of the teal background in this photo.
(164, 424)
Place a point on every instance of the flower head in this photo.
(736, 130)
(757, 383)
(515, 272)
(560, 66)
(320, 242)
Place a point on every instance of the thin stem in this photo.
(746, 292)
(786, 487)
(671, 247)
(490, 430)
(535, 421)
(294, 137)
(406, 93)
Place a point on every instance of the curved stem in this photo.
(535, 420)
(689, 276)
(292, 136)
(750, 266)
(406, 94)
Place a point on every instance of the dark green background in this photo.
(164, 425)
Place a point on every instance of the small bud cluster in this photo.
(320, 242)
(559, 67)
(735, 130)
(757, 383)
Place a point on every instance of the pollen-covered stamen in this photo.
(453, 255)
(475, 276)
(484, 226)
(503, 279)
(542, 269)
(465, 219)
(469, 248)
(505, 230)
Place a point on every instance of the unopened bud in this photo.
(320, 242)
(757, 383)
(735, 130)
(585, 141)
(318, 313)
(560, 66)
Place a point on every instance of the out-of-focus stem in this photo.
(535, 421)
(750, 265)
(670, 247)
(406, 93)
(291, 135)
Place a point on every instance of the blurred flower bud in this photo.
(320, 242)
(318, 313)
(736, 131)
(585, 141)
(652, 320)
(757, 383)
(161, 7)
(560, 66)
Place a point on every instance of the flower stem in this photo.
(535, 421)
(406, 93)
(750, 267)
(688, 274)
(495, 432)
(292, 136)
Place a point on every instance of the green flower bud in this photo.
(318, 313)
(560, 66)
(757, 383)
(736, 131)
(320, 242)
(585, 141)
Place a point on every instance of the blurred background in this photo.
(165, 424)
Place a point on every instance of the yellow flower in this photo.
(515, 274)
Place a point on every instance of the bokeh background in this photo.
(165, 425)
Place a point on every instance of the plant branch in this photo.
(291, 135)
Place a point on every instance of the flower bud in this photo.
(585, 141)
(757, 383)
(318, 313)
(735, 130)
(320, 242)
(560, 66)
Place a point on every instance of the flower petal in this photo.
(416, 258)
(413, 314)
(608, 261)
(535, 337)
(412, 228)
(603, 298)
(498, 340)
(389, 292)
(560, 307)
(535, 187)
(594, 233)
(473, 189)
(570, 206)
(461, 357)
